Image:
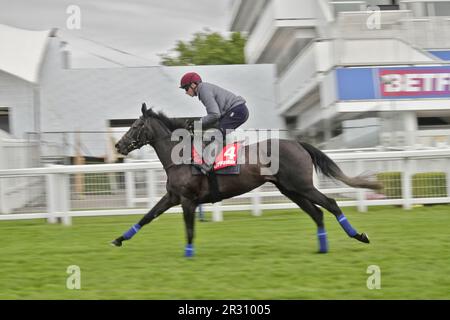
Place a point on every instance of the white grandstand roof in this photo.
(22, 51)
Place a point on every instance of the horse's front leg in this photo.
(189, 221)
(166, 202)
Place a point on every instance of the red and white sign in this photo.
(414, 82)
(226, 158)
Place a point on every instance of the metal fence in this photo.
(16, 154)
(410, 177)
(62, 146)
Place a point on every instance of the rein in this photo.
(151, 142)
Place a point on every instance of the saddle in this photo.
(226, 163)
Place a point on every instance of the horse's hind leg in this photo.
(315, 213)
(319, 198)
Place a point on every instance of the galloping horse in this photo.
(293, 178)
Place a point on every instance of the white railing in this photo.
(421, 32)
(16, 154)
(422, 138)
(429, 33)
(423, 176)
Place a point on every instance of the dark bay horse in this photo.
(293, 178)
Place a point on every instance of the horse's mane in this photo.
(171, 123)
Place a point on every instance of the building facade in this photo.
(355, 73)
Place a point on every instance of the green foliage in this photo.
(392, 182)
(425, 185)
(207, 48)
(429, 184)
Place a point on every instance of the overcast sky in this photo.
(118, 32)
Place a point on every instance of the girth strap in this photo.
(214, 187)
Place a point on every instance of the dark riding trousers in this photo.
(233, 118)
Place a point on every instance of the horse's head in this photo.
(136, 137)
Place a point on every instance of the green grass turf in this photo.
(244, 257)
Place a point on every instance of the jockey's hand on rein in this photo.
(189, 125)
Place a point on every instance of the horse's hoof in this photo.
(116, 243)
(189, 251)
(362, 237)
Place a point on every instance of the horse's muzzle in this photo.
(120, 150)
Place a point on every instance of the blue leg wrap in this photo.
(130, 233)
(189, 251)
(346, 226)
(322, 236)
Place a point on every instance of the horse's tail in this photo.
(330, 169)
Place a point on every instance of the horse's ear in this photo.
(144, 109)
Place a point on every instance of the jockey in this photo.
(222, 107)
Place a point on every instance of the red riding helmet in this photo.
(188, 78)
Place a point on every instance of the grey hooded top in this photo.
(217, 101)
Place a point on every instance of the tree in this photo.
(207, 48)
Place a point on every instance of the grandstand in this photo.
(333, 59)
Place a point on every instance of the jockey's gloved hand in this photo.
(189, 125)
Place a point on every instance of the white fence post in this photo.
(151, 187)
(129, 188)
(406, 184)
(4, 208)
(64, 196)
(217, 215)
(256, 202)
(315, 179)
(52, 197)
(361, 193)
(58, 198)
(448, 177)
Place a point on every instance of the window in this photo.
(4, 119)
(440, 9)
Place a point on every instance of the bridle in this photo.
(136, 144)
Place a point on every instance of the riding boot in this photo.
(209, 157)
(204, 168)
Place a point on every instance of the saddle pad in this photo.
(227, 170)
(226, 158)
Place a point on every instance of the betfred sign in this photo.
(414, 82)
(393, 83)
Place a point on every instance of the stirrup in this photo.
(204, 168)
